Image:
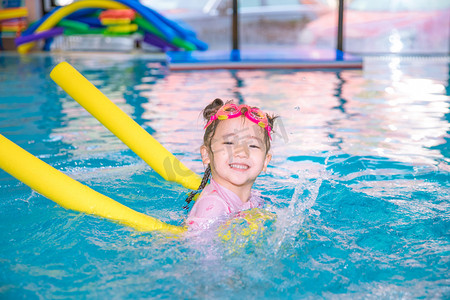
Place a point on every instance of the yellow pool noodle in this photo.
(125, 128)
(70, 193)
(123, 28)
(12, 13)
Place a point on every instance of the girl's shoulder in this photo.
(210, 204)
(207, 209)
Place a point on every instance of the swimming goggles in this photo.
(231, 110)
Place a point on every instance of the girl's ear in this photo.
(266, 161)
(205, 155)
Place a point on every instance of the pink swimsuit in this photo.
(215, 202)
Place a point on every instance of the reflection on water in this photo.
(358, 180)
(377, 112)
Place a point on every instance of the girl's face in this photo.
(238, 153)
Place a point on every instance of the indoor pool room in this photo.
(338, 131)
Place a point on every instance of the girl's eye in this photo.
(254, 146)
(257, 115)
(228, 143)
(230, 110)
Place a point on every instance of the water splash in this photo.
(290, 220)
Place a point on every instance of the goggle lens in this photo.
(230, 109)
(257, 114)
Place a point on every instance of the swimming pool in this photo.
(359, 182)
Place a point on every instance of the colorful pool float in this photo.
(165, 28)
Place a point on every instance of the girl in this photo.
(235, 147)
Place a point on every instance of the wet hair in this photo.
(209, 111)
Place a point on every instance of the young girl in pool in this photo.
(235, 149)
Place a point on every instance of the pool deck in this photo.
(263, 58)
(266, 58)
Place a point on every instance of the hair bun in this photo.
(212, 108)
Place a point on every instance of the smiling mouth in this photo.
(239, 166)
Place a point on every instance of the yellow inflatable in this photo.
(125, 128)
(70, 193)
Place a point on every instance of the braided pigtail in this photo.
(200, 188)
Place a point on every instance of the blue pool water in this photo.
(359, 182)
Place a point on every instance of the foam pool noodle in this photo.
(70, 193)
(74, 25)
(69, 31)
(122, 126)
(189, 42)
(118, 13)
(32, 28)
(121, 29)
(38, 36)
(150, 14)
(176, 41)
(156, 41)
(13, 13)
(115, 21)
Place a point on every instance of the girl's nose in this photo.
(241, 150)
